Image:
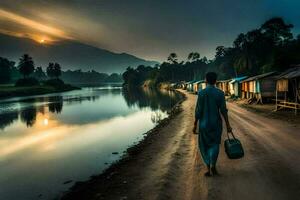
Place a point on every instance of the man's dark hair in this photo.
(211, 78)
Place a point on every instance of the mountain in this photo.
(70, 54)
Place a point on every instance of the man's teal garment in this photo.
(210, 104)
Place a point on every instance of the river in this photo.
(48, 142)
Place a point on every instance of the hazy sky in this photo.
(146, 28)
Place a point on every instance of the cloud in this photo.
(32, 29)
(150, 28)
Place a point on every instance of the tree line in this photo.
(271, 47)
(25, 71)
(26, 68)
(90, 77)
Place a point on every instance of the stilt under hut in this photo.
(288, 84)
(257, 88)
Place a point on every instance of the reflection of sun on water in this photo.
(45, 122)
(44, 134)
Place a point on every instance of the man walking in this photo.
(210, 105)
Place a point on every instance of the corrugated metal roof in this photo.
(290, 73)
(259, 76)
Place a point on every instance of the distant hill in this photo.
(70, 54)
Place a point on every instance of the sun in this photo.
(42, 41)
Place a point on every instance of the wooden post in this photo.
(276, 107)
(296, 98)
(285, 98)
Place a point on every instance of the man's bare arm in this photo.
(225, 116)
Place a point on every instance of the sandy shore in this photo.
(167, 164)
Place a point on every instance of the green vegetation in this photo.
(24, 79)
(54, 70)
(145, 97)
(5, 70)
(271, 47)
(23, 82)
(39, 74)
(12, 91)
(30, 85)
(10, 74)
(89, 77)
(26, 66)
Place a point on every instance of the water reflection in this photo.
(71, 136)
(56, 104)
(155, 99)
(156, 117)
(142, 98)
(28, 113)
(28, 116)
(7, 119)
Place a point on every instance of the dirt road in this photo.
(170, 167)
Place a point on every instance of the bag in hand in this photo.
(233, 147)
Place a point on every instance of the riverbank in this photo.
(168, 165)
(104, 184)
(7, 91)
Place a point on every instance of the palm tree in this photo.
(26, 65)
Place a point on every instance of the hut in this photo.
(288, 84)
(182, 85)
(235, 88)
(201, 85)
(196, 86)
(189, 87)
(174, 85)
(259, 87)
(185, 85)
(224, 86)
